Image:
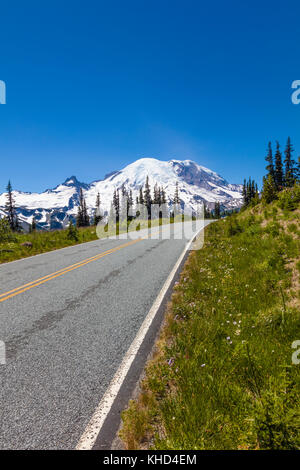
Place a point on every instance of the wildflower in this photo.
(202, 365)
(171, 361)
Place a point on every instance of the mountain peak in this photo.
(72, 180)
(195, 183)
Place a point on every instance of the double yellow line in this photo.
(61, 272)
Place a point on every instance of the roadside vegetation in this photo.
(222, 375)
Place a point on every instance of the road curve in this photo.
(67, 319)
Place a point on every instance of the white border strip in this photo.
(93, 428)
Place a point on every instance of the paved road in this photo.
(67, 319)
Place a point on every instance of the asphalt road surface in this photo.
(67, 319)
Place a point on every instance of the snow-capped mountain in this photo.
(54, 207)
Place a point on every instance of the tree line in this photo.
(282, 172)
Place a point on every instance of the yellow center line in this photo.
(42, 280)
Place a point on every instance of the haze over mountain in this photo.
(54, 207)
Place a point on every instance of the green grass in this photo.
(222, 375)
(12, 249)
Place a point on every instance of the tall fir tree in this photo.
(98, 216)
(116, 205)
(269, 160)
(278, 168)
(10, 209)
(244, 193)
(147, 197)
(33, 225)
(290, 169)
(163, 196)
(176, 199)
(298, 170)
(217, 211)
(82, 219)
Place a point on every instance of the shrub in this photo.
(6, 234)
(72, 233)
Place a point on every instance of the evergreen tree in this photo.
(72, 232)
(82, 219)
(156, 191)
(86, 215)
(10, 209)
(269, 189)
(116, 205)
(278, 168)
(147, 198)
(298, 170)
(207, 213)
(269, 160)
(176, 199)
(141, 199)
(129, 205)
(98, 216)
(290, 170)
(163, 196)
(244, 193)
(217, 211)
(250, 192)
(33, 225)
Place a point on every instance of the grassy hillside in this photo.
(222, 375)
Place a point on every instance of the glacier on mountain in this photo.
(54, 207)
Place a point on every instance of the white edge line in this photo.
(89, 436)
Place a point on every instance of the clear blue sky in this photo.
(94, 85)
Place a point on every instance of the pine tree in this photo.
(10, 209)
(269, 189)
(163, 196)
(116, 205)
(249, 191)
(147, 197)
(269, 160)
(141, 199)
(217, 210)
(290, 170)
(176, 199)
(86, 217)
(129, 205)
(207, 213)
(33, 225)
(98, 216)
(278, 168)
(72, 232)
(244, 193)
(298, 170)
(82, 219)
